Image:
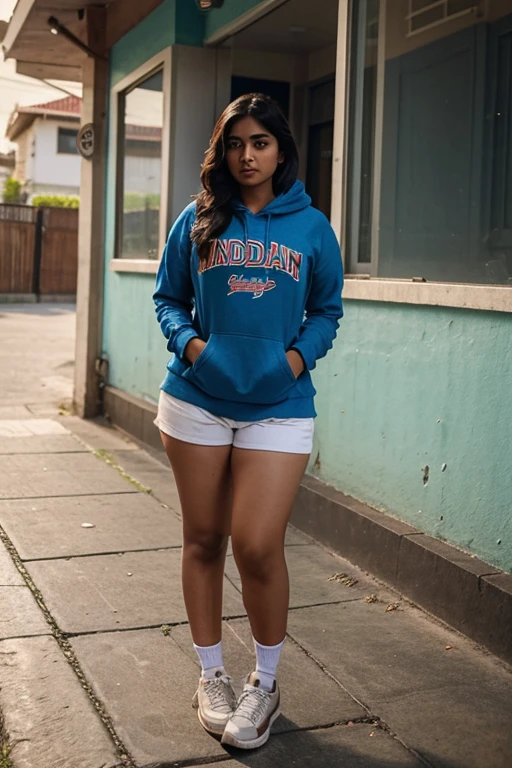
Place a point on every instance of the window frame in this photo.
(161, 61)
(369, 287)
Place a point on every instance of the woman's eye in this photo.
(261, 144)
(233, 144)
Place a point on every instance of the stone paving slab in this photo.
(67, 474)
(41, 444)
(50, 409)
(462, 725)
(31, 427)
(20, 615)
(151, 473)
(9, 574)
(89, 594)
(147, 683)
(50, 528)
(311, 567)
(357, 746)
(98, 434)
(49, 718)
(398, 665)
(309, 697)
(14, 412)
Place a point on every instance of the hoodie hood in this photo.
(296, 199)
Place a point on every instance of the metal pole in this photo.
(38, 255)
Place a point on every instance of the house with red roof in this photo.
(47, 159)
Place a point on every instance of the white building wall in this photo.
(142, 174)
(50, 167)
(30, 153)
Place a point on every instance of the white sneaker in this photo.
(249, 726)
(215, 702)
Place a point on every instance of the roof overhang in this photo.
(28, 38)
(53, 57)
(23, 117)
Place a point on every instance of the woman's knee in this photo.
(205, 546)
(257, 560)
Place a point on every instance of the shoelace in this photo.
(252, 704)
(217, 694)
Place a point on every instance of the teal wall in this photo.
(152, 35)
(231, 9)
(174, 21)
(410, 386)
(132, 339)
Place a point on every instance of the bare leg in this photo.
(265, 484)
(202, 476)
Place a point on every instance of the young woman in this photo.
(248, 295)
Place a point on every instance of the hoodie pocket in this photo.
(243, 369)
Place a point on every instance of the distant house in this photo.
(47, 160)
(6, 168)
(48, 163)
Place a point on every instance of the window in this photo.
(424, 14)
(429, 179)
(139, 167)
(66, 141)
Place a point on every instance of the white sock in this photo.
(267, 659)
(211, 659)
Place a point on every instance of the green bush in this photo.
(56, 201)
(12, 190)
(138, 201)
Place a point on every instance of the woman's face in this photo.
(252, 153)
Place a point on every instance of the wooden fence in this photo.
(38, 250)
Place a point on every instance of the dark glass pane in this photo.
(66, 141)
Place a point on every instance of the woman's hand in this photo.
(295, 362)
(194, 349)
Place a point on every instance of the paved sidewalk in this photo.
(97, 669)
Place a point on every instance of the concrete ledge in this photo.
(32, 298)
(465, 592)
(133, 415)
(58, 298)
(18, 298)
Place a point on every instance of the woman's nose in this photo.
(247, 153)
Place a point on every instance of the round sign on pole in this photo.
(85, 140)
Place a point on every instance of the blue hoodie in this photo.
(272, 283)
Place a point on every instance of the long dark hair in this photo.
(214, 203)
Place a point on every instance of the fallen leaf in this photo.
(343, 578)
(371, 599)
(393, 607)
(448, 647)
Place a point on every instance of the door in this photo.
(276, 89)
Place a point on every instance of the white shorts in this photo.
(195, 425)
